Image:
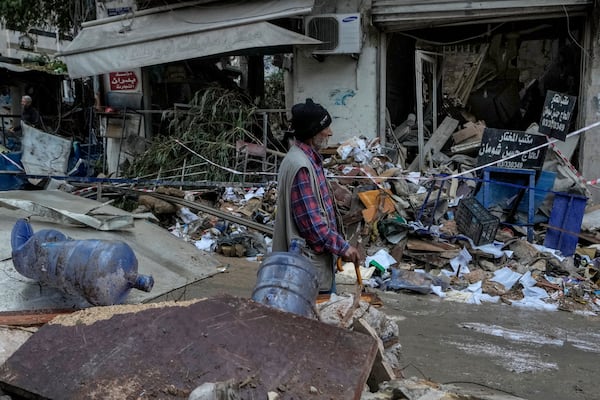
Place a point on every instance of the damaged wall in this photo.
(590, 105)
(520, 52)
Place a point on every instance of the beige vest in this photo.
(285, 228)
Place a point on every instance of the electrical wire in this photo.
(233, 171)
(379, 180)
(550, 142)
(571, 35)
(454, 42)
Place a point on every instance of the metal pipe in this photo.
(212, 211)
(382, 88)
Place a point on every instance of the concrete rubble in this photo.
(405, 224)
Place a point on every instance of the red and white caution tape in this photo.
(593, 181)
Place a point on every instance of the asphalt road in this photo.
(536, 355)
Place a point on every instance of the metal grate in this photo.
(325, 29)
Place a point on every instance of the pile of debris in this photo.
(426, 233)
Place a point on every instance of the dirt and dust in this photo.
(90, 315)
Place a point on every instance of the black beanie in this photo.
(308, 119)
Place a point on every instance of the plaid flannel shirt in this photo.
(320, 233)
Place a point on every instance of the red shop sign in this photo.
(123, 80)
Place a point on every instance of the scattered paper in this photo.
(460, 263)
(507, 277)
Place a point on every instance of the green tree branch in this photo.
(64, 15)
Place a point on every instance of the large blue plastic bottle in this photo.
(102, 271)
(288, 281)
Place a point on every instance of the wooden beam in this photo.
(381, 370)
(30, 317)
(437, 140)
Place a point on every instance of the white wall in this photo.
(9, 45)
(347, 88)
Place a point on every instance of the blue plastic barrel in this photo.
(288, 281)
(101, 271)
(567, 215)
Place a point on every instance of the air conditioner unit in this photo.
(340, 33)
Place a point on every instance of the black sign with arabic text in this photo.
(557, 113)
(501, 144)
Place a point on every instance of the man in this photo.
(29, 115)
(305, 206)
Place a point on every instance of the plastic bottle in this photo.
(102, 271)
(296, 246)
(288, 281)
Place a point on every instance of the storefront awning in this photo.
(399, 15)
(13, 67)
(181, 34)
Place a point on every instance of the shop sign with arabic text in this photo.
(503, 145)
(126, 80)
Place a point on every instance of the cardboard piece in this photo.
(470, 131)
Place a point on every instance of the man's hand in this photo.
(352, 255)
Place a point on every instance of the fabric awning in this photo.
(399, 15)
(13, 67)
(184, 33)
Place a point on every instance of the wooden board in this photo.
(437, 141)
(381, 371)
(30, 317)
(423, 245)
(166, 351)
